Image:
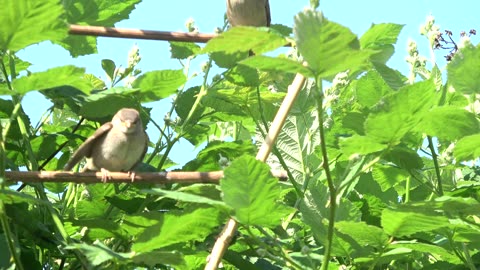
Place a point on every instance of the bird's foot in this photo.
(105, 175)
(132, 175)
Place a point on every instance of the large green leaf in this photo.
(253, 193)
(26, 22)
(327, 47)
(98, 12)
(297, 142)
(54, 77)
(108, 102)
(244, 38)
(400, 112)
(439, 252)
(176, 227)
(156, 85)
(365, 235)
(183, 50)
(184, 197)
(98, 253)
(388, 176)
(208, 159)
(360, 145)
(381, 37)
(93, 12)
(449, 123)
(467, 148)
(370, 88)
(464, 70)
(405, 222)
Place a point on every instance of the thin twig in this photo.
(121, 177)
(100, 31)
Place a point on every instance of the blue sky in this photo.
(208, 14)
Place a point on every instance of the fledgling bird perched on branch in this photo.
(248, 12)
(118, 145)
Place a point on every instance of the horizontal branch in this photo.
(138, 34)
(120, 177)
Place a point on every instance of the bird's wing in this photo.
(267, 10)
(85, 150)
(144, 151)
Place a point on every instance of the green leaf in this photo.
(250, 189)
(93, 12)
(327, 47)
(183, 50)
(449, 123)
(464, 70)
(107, 102)
(98, 253)
(241, 101)
(467, 148)
(360, 145)
(184, 103)
(54, 77)
(371, 88)
(26, 22)
(43, 146)
(79, 45)
(392, 77)
(398, 222)
(99, 12)
(381, 37)
(439, 252)
(227, 60)
(297, 145)
(184, 197)
(381, 34)
(268, 63)
(365, 235)
(208, 159)
(177, 227)
(400, 112)
(109, 67)
(136, 224)
(388, 176)
(156, 85)
(243, 75)
(89, 209)
(243, 39)
(157, 257)
(404, 157)
(354, 121)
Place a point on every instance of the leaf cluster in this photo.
(383, 170)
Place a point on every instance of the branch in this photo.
(121, 177)
(100, 31)
(223, 240)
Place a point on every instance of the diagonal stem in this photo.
(230, 228)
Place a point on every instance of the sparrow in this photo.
(248, 12)
(118, 145)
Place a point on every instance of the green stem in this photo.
(271, 250)
(201, 94)
(331, 185)
(8, 237)
(407, 189)
(468, 257)
(435, 163)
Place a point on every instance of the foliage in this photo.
(383, 167)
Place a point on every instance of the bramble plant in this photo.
(382, 167)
